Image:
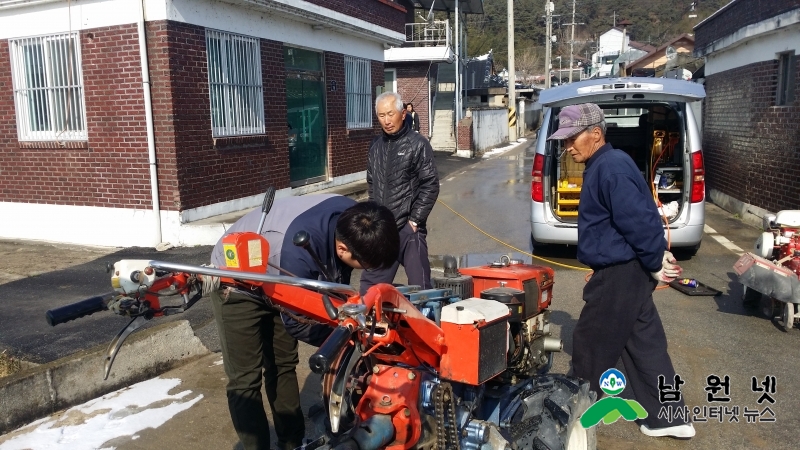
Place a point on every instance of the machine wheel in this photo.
(787, 316)
(770, 307)
(559, 401)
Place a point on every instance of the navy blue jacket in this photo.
(315, 214)
(617, 216)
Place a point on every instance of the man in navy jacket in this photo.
(621, 237)
(258, 341)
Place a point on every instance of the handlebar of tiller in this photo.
(313, 285)
(320, 362)
(79, 309)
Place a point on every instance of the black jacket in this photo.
(401, 175)
(412, 119)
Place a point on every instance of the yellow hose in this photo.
(511, 246)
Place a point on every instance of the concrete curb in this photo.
(40, 391)
(749, 214)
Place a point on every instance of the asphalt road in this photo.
(707, 335)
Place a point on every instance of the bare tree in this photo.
(529, 63)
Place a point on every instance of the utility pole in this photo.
(512, 77)
(572, 40)
(458, 81)
(548, 10)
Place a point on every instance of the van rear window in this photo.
(623, 117)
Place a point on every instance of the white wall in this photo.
(761, 47)
(120, 227)
(489, 128)
(57, 17)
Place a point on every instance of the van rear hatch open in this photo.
(645, 118)
(623, 89)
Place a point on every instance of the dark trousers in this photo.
(621, 320)
(414, 258)
(255, 344)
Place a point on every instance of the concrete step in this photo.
(443, 87)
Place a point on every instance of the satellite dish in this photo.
(671, 53)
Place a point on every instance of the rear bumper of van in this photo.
(557, 232)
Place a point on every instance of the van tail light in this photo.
(698, 177)
(537, 178)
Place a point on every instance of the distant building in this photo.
(243, 94)
(611, 52)
(680, 47)
(751, 118)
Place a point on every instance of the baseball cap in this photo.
(575, 118)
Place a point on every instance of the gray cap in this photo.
(575, 118)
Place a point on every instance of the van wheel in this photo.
(688, 251)
(536, 245)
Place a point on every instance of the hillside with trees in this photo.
(652, 21)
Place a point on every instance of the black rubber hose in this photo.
(320, 362)
(78, 309)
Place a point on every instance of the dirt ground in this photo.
(21, 259)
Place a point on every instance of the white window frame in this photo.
(784, 93)
(394, 80)
(48, 96)
(235, 86)
(358, 90)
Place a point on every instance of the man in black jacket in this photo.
(401, 175)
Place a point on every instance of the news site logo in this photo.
(609, 409)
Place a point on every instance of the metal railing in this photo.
(428, 34)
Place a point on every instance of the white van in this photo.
(651, 119)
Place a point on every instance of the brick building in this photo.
(751, 119)
(242, 94)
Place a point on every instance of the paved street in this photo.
(707, 335)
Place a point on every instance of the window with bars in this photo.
(235, 88)
(358, 87)
(48, 88)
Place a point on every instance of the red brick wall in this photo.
(194, 170)
(111, 168)
(412, 85)
(347, 148)
(465, 134)
(750, 145)
(385, 13)
(199, 170)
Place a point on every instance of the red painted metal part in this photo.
(394, 391)
(513, 276)
(179, 281)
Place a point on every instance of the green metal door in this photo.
(305, 102)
